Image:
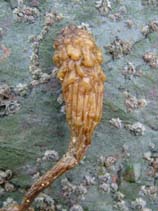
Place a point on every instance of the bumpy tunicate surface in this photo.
(79, 62)
(39, 125)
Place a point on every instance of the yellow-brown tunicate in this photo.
(82, 80)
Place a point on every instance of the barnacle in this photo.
(103, 6)
(132, 103)
(8, 103)
(38, 76)
(151, 27)
(5, 176)
(130, 71)
(24, 13)
(79, 62)
(119, 48)
(116, 122)
(149, 2)
(136, 128)
(151, 58)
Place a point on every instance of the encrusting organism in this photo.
(79, 61)
(104, 6)
(119, 48)
(151, 58)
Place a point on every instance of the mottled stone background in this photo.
(39, 124)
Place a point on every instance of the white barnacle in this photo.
(9, 201)
(122, 205)
(51, 155)
(89, 180)
(132, 103)
(104, 6)
(9, 187)
(105, 187)
(136, 128)
(151, 58)
(139, 204)
(84, 26)
(45, 202)
(116, 122)
(76, 207)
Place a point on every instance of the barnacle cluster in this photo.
(151, 27)
(8, 103)
(151, 58)
(48, 156)
(132, 103)
(108, 178)
(112, 177)
(5, 177)
(138, 129)
(22, 89)
(74, 192)
(152, 158)
(45, 203)
(9, 203)
(130, 71)
(149, 2)
(118, 48)
(67, 187)
(34, 68)
(111, 174)
(149, 191)
(140, 204)
(25, 13)
(103, 6)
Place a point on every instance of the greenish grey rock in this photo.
(40, 126)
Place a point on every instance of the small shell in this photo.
(137, 128)
(76, 207)
(116, 122)
(51, 155)
(9, 187)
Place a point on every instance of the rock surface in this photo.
(39, 125)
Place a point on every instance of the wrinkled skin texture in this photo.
(82, 78)
(78, 59)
